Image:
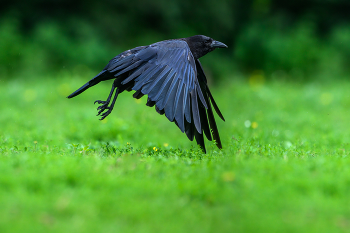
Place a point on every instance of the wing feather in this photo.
(179, 111)
(146, 76)
(169, 106)
(160, 96)
(147, 53)
(136, 73)
(161, 77)
(176, 100)
(123, 62)
(217, 110)
(195, 111)
(189, 127)
(200, 140)
(201, 97)
(187, 107)
(130, 67)
(204, 122)
(160, 88)
(163, 101)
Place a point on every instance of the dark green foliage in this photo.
(297, 37)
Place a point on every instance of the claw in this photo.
(105, 114)
(99, 112)
(100, 102)
(103, 107)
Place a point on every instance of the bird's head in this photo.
(201, 45)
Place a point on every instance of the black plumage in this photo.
(170, 73)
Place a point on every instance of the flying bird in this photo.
(172, 77)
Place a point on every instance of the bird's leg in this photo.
(105, 105)
(110, 108)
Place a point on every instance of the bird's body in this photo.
(170, 73)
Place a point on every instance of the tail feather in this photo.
(81, 89)
(102, 76)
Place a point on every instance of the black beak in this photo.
(218, 44)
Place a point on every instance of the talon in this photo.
(102, 108)
(100, 102)
(100, 112)
(105, 114)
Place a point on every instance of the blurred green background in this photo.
(298, 40)
(282, 85)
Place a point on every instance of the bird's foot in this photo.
(103, 107)
(101, 102)
(105, 114)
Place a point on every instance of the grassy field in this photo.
(284, 168)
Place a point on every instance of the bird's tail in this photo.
(102, 76)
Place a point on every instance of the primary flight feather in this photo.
(170, 73)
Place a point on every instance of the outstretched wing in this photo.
(167, 72)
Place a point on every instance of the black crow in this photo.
(170, 73)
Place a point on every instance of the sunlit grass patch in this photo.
(284, 166)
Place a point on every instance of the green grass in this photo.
(284, 168)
